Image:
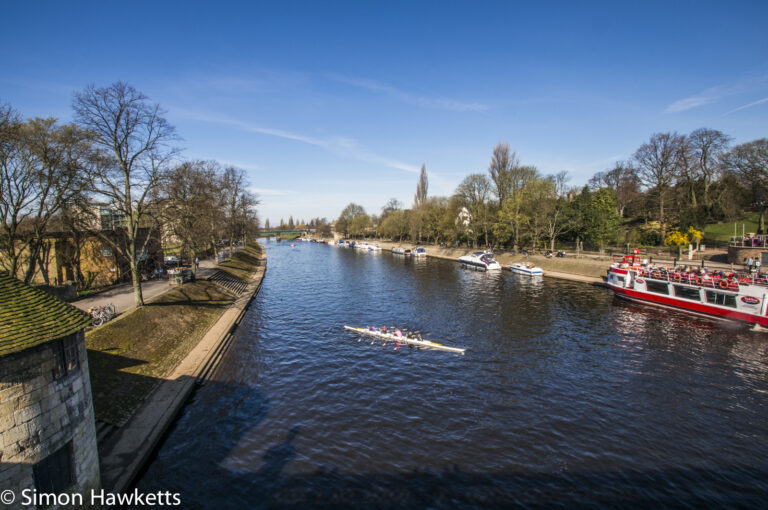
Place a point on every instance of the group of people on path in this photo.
(753, 263)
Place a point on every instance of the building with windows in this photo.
(47, 429)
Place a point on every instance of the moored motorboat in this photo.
(420, 252)
(399, 250)
(374, 247)
(718, 294)
(526, 268)
(482, 260)
(390, 337)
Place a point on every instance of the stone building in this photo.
(47, 430)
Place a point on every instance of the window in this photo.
(65, 356)
(657, 287)
(721, 298)
(684, 292)
(54, 474)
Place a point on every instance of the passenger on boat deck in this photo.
(398, 332)
(372, 328)
(383, 329)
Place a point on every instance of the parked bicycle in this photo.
(101, 314)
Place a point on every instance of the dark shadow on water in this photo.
(195, 462)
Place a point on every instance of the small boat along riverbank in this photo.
(586, 270)
(125, 449)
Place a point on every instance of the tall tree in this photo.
(41, 167)
(421, 188)
(474, 192)
(502, 168)
(344, 221)
(192, 202)
(391, 206)
(749, 162)
(511, 215)
(708, 146)
(658, 168)
(131, 137)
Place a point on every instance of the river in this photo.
(566, 396)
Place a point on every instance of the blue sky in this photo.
(325, 103)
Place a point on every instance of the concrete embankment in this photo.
(126, 451)
(588, 270)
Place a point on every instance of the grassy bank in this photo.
(129, 356)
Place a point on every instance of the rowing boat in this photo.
(389, 337)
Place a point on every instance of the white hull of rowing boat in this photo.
(403, 340)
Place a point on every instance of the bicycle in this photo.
(101, 314)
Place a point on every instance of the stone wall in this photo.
(740, 254)
(40, 414)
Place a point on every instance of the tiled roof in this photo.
(30, 316)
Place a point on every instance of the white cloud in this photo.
(429, 102)
(341, 145)
(750, 105)
(689, 103)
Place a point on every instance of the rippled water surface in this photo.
(566, 397)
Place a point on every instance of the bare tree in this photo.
(40, 164)
(708, 146)
(131, 139)
(658, 168)
(749, 162)
(502, 168)
(191, 193)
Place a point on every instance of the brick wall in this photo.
(40, 414)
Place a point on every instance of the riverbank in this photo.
(157, 355)
(588, 270)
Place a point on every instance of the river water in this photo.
(566, 396)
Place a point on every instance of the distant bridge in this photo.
(267, 233)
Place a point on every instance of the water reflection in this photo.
(565, 396)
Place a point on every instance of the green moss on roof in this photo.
(29, 316)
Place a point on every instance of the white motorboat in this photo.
(374, 247)
(526, 268)
(399, 250)
(482, 260)
(420, 252)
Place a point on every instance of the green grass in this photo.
(242, 263)
(130, 356)
(722, 232)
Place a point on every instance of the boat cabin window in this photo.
(620, 279)
(657, 287)
(685, 292)
(720, 298)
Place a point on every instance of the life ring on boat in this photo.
(723, 284)
(699, 280)
(656, 275)
(677, 277)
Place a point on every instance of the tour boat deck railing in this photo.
(750, 241)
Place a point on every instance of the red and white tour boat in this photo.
(719, 294)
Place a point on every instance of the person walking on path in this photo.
(197, 263)
(749, 265)
(757, 266)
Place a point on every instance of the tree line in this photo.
(673, 183)
(118, 155)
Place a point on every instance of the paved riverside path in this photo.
(122, 295)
